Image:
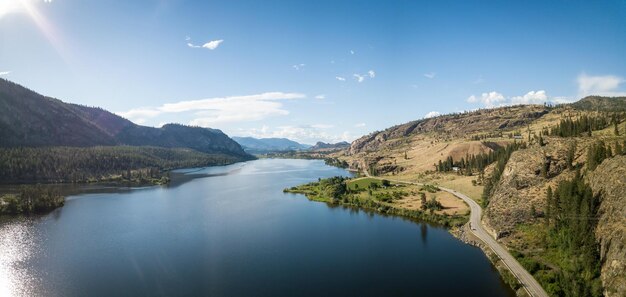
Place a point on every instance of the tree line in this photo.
(584, 125)
(473, 163)
(85, 164)
(571, 217)
(599, 151)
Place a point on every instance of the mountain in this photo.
(28, 119)
(601, 103)
(322, 146)
(266, 145)
(507, 159)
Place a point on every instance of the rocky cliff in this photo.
(609, 180)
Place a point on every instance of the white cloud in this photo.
(339, 78)
(371, 73)
(302, 133)
(430, 75)
(213, 44)
(137, 114)
(220, 110)
(488, 99)
(5, 73)
(298, 66)
(432, 114)
(321, 96)
(187, 38)
(532, 97)
(493, 99)
(352, 52)
(359, 125)
(605, 85)
(358, 77)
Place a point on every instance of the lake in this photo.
(234, 233)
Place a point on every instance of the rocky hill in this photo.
(515, 208)
(28, 119)
(601, 103)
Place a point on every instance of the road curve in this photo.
(527, 281)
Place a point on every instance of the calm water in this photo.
(234, 235)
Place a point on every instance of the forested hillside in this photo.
(28, 119)
(101, 163)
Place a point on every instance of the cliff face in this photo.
(523, 184)
(609, 179)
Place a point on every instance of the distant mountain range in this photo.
(276, 145)
(266, 145)
(28, 119)
(322, 146)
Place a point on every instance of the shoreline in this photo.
(521, 285)
(65, 189)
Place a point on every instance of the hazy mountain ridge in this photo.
(323, 146)
(265, 145)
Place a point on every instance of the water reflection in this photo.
(424, 232)
(16, 245)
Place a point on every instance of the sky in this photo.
(311, 70)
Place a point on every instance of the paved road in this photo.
(476, 227)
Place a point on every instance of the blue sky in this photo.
(311, 70)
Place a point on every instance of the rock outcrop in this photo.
(609, 180)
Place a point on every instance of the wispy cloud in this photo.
(5, 73)
(361, 77)
(605, 85)
(352, 52)
(479, 80)
(340, 78)
(321, 96)
(359, 125)
(432, 114)
(213, 44)
(298, 66)
(430, 75)
(209, 111)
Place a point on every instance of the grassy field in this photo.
(363, 183)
